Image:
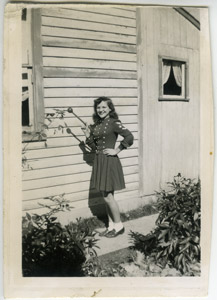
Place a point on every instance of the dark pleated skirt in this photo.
(107, 173)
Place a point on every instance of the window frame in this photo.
(35, 65)
(185, 94)
(28, 83)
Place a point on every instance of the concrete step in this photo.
(142, 225)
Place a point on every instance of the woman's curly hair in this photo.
(110, 104)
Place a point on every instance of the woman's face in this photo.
(103, 110)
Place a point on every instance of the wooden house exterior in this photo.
(78, 53)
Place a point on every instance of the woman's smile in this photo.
(103, 110)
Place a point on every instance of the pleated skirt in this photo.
(107, 173)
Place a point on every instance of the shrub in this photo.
(176, 238)
(50, 249)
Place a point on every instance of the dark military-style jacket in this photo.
(104, 135)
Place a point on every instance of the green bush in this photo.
(176, 238)
(50, 249)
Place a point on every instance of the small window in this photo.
(27, 99)
(173, 83)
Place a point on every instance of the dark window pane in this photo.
(24, 11)
(25, 112)
(171, 87)
(24, 75)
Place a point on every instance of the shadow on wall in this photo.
(95, 199)
(88, 155)
(97, 205)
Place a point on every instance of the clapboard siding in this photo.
(67, 141)
(78, 178)
(125, 7)
(70, 169)
(90, 16)
(37, 153)
(73, 121)
(88, 82)
(80, 102)
(57, 179)
(51, 72)
(84, 25)
(85, 111)
(87, 52)
(34, 205)
(74, 158)
(54, 131)
(84, 53)
(88, 63)
(63, 151)
(68, 179)
(105, 11)
(88, 35)
(68, 189)
(62, 42)
(63, 141)
(91, 92)
(82, 199)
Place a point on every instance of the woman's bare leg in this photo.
(113, 207)
(114, 214)
(110, 219)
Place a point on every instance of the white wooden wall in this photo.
(87, 52)
(169, 130)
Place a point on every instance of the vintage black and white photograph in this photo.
(111, 133)
(110, 116)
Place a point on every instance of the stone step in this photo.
(142, 225)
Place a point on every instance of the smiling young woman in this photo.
(107, 174)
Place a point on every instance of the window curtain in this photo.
(166, 70)
(25, 95)
(177, 71)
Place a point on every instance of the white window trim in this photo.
(36, 104)
(185, 79)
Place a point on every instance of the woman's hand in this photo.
(111, 152)
(86, 130)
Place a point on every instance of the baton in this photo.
(70, 110)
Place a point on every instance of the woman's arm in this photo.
(89, 136)
(128, 138)
(125, 143)
(111, 152)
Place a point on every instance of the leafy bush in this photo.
(50, 249)
(176, 238)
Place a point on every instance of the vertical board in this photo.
(141, 54)
(89, 52)
(163, 25)
(38, 90)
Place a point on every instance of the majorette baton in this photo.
(70, 110)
